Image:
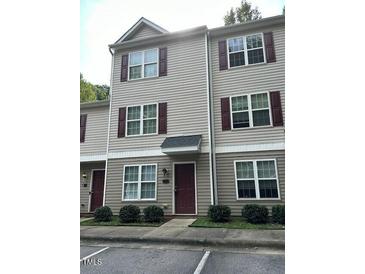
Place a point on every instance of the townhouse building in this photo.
(195, 118)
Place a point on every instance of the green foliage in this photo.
(219, 213)
(153, 214)
(283, 10)
(255, 214)
(230, 17)
(244, 13)
(278, 214)
(129, 214)
(103, 214)
(102, 92)
(90, 92)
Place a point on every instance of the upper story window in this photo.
(142, 120)
(252, 110)
(246, 50)
(256, 179)
(143, 64)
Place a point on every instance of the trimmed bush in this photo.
(255, 214)
(219, 213)
(129, 214)
(103, 214)
(153, 214)
(278, 214)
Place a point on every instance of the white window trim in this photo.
(257, 189)
(139, 182)
(141, 120)
(250, 115)
(245, 50)
(143, 64)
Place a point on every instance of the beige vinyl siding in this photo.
(96, 130)
(184, 89)
(84, 191)
(114, 186)
(244, 80)
(143, 32)
(226, 178)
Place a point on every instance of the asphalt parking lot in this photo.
(112, 259)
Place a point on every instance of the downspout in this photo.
(213, 176)
(108, 134)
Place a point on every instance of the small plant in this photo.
(255, 214)
(129, 214)
(103, 214)
(219, 213)
(278, 214)
(153, 214)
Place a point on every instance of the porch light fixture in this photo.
(165, 172)
(84, 175)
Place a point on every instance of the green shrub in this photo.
(255, 214)
(103, 214)
(278, 214)
(153, 214)
(219, 213)
(129, 214)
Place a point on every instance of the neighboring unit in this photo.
(196, 117)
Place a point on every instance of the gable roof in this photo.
(138, 25)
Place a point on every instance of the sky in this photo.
(102, 22)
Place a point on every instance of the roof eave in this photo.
(261, 23)
(159, 37)
(94, 104)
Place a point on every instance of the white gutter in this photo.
(110, 112)
(213, 184)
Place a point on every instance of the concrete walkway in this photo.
(177, 231)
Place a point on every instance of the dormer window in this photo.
(143, 64)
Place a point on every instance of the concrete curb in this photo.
(274, 244)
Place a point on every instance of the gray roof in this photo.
(101, 103)
(181, 141)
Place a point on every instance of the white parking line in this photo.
(92, 254)
(200, 266)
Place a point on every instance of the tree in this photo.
(90, 92)
(230, 18)
(284, 10)
(243, 13)
(102, 92)
(87, 93)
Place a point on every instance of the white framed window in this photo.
(246, 50)
(142, 120)
(143, 64)
(140, 182)
(251, 110)
(256, 179)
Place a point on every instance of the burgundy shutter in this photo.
(162, 118)
(163, 62)
(222, 47)
(269, 47)
(226, 114)
(276, 112)
(124, 69)
(83, 118)
(121, 122)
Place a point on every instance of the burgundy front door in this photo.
(97, 191)
(184, 189)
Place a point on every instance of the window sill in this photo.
(250, 128)
(141, 135)
(141, 79)
(141, 200)
(245, 66)
(258, 199)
